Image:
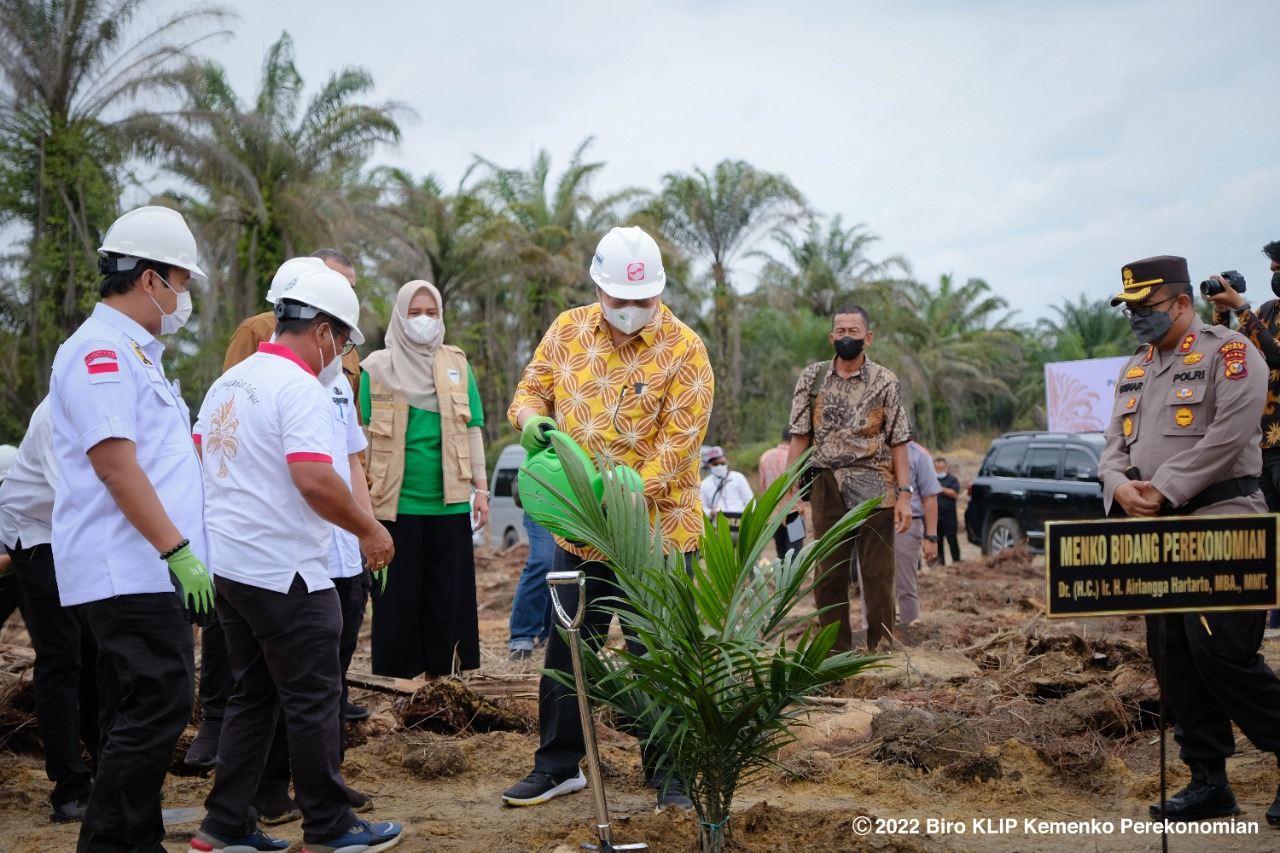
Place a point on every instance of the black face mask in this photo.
(1275, 283)
(848, 348)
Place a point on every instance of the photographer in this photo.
(1262, 327)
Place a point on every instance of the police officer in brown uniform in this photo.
(1187, 419)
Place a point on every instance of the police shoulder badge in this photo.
(1233, 357)
(1193, 358)
(1135, 372)
(1128, 426)
(1184, 416)
(1187, 343)
(1151, 351)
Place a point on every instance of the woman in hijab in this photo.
(423, 416)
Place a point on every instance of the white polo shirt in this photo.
(261, 415)
(26, 496)
(348, 438)
(108, 382)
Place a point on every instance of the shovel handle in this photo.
(558, 579)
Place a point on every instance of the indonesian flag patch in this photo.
(101, 363)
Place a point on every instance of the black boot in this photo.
(1208, 796)
(1273, 813)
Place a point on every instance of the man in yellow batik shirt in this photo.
(633, 386)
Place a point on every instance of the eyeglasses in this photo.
(348, 347)
(1145, 310)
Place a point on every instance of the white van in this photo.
(506, 520)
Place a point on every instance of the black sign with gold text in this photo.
(1161, 565)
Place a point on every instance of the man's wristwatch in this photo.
(1242, 307)
(908, 489)
(932, 537)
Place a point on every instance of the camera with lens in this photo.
(1209, 287)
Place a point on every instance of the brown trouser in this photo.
(874, 541)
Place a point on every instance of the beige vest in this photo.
(389, 424)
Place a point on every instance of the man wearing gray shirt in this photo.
(907, 545)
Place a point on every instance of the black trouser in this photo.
(65, 683)
(284, 655)
(353, 593)
(146, 678)
(427, 616)
(559, 719)
(1214, 675)
(1269, 482)
(948, 533)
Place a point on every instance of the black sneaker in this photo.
(520, 654)
(360, 802)
(673, 799)
(539, 786)
(355, 713)
(205, 841)
(364, 837)
(1198, 801)
(276, 808)
(71, 811)
(1273, 813)
(203, 752)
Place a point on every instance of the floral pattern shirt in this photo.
(1263, 329)
(645, 404)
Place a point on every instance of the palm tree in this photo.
(1087, 330)
(715, 218)
(70, 73)
(276, 176)
(828, 267)
(555, 228)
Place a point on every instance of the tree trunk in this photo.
(726, 361)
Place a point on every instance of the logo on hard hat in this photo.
(635, 272)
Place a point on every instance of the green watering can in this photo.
(541, 502)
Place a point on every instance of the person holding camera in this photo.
(1183, 440)
(1262, 328)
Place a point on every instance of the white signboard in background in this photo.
(1079, 394)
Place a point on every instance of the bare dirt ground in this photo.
(989, 712)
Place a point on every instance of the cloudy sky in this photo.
(1039, 146)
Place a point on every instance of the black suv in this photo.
(1029, 478)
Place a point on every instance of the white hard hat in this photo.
(328, 292)
(290, 270)
(153, 234)
(8, 453)
(628, 265)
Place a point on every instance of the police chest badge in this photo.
(1135, 372)
(1233, 357)
(1128, 426)
(1194, 358)
(1183, 417)
(1185, 393)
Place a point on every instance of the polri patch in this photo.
(1184, 416)
(1135, 372)
(1194, 358)
(1233, 357)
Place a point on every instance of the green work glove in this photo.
(193, 583)
(534, 435)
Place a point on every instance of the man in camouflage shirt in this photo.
(850, 410)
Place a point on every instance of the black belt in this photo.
(1226, 490)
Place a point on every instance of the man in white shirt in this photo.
(266, 429)
(64, 684)
(128, 519)
(724, 491)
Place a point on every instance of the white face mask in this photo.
(170, 323)
(421, 329)
(630, 319)
(331, 372)
(941, 474)
(720, 471)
